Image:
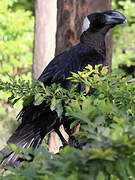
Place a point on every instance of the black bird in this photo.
(39, 121)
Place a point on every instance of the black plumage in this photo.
(38, 121)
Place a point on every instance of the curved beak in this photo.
(114, 17)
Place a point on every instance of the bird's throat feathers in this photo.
(94, 40)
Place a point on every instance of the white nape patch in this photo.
(86, 24)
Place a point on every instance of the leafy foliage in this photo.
(16, 43)
(24, 4)
(16, 30)
(107, 131)
(124, 53)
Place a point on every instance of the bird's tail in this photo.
(29, 134)
(25, 137)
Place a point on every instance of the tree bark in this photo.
(45, 31)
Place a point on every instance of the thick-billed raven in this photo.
(38, 121)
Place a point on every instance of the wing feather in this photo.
(70, 61)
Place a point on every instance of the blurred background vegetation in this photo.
(16, 49)
(123, 38)
(16, 52)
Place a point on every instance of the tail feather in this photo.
(37, 122)
(25, 141)
(10, 160)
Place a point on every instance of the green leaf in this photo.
(121, 168)
(89, 67)
(13, 148)
(109, 167)
(104, 70)
(15, 101)
(100, 176)
(1, 156)
(59, 109)
(38, 99)
(131, 166)
(80, 133)
(73, 124)
(53, 103)
(27, 100)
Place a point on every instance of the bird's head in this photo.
(102, 21)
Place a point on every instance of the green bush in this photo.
(123, 37)
(16, 44)
(107, 127)
(16, 37)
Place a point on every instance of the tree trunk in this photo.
(45, 37)
(45, 31)
(69, 22)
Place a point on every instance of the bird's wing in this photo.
(70, 61)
